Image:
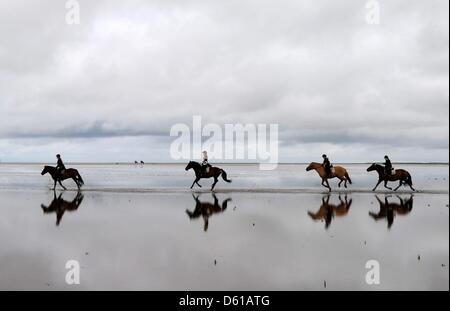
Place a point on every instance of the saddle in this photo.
(206, 170)
(62, 174)
(390, 172)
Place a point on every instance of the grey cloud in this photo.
(135, 68)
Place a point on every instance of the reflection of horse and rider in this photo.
(328, 211)
(389, 210)
(206, 209)
(60, 206)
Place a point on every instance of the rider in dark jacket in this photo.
(205, 164)
(60, 167)
(327, 165)
(387, 166)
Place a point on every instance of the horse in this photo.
(327, 211)
(390, 210)
(400, 175)
(338, 172)
(69, 173)
(206, 210)
(60, 206)
(213, 172)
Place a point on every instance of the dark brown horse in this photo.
(338, 172)
(213, 172)
(327, 211)
(69, 173)
(404, 177)
(390, 210)
(60, 206)
(206, 210)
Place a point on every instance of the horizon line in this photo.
(218, 163)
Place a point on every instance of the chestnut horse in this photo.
(400, 175)
(213, 172)
(327, 211)
(338, 172)
(70, 173)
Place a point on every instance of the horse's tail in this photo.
(80, 179)
(348, 178)
(225, 176)
(409, 179)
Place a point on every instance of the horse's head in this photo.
(373, 167)
(189, 166)
(44, 171)
(311, 166)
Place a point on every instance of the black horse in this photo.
(60, 206)
(69, 173)
(206, 209)
(403, 176)
(214, 172)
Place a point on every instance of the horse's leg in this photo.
(198, 183)
(76, 181)
(59, 181)
(216, 180)
(345, 183)
(323, 183)
(379, 182)
(339, 185)
(193, 184)
(386, 185)
(328, 184)
(54, 186)
(401, 183)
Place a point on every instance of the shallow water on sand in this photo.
(244, 241)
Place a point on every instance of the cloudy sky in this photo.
(111, 88)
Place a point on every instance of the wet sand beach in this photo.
(141, 228)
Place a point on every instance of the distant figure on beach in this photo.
(327, 165)
(328, 211)
(390, 210)
(60, 167)
(206, 210)
(142, 163)
(388, 168)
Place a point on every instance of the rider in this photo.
(327, 165)
(205, 163)
(387, 166)
(60, 167)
